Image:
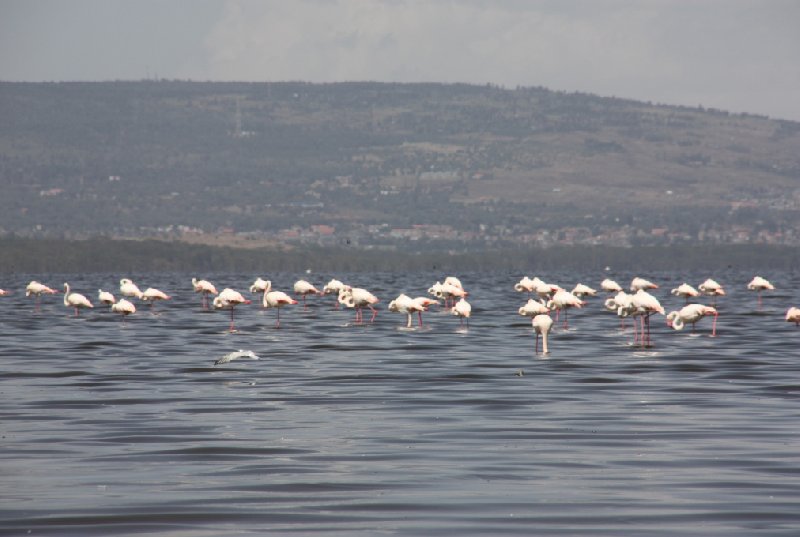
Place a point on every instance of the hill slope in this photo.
(381, 164)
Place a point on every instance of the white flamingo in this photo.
(37, 290)
(303, 288)
(711, 288)
(463, 310)
(690, 314)
(277, 300)
(542, 324)
(645, 305)
(525, 285)
(124, 307)
(228, 299)
(610, 286)
(358, 298)
(405, 304)
(153, 295)
(204, 287)
(261, 285)
(621, 305)
(332, 288)
(793, 316)
(641, 284)
(582, 290)
(75, 300)
(129, 289)
(532, 308)
(105, 297)
(563, 300)
(686, 291)
(760, 284)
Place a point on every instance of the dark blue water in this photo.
(121, 429)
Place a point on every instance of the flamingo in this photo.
(711, 288)
(228, 299)
(277, 300)
(640, 283)
(128, 288)
(645, 305)
(449, 290)
(303, 288)
(124, 307)
(544, 290)
(686, 291)
(105, 297)
(793, 316)
(463, 310)
(542, 324)
(333, 287)
(3, 292)
(532, 308)
(75, 300)
(691, 313)
(525, 285)
(610, 286)
(356, 297)
(582, 290)
(261, 286)
(759, 284)
(621, 304)
(37, 290)
(206, 288)
(406, 304)
(562, 300)
(425, 303)
(153, 295)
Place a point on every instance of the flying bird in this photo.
(235, 355)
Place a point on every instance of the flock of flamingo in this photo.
(637, 304)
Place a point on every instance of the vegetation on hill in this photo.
(491, 167)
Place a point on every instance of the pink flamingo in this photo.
(204, 287)
(37, 290)
(358, 298)
(153, 295)
(692, 313)
(277, 300)
(228, 299)
(303, 288)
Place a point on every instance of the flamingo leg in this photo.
(419, 314)
(278, 318)
(374, 313)
(536, 348)
(231, 329)
(714, 326)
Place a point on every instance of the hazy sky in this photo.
(736, 55)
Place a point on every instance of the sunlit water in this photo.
(112, 428)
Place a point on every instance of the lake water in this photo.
(112, 428)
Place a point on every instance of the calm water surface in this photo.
(123, 429)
